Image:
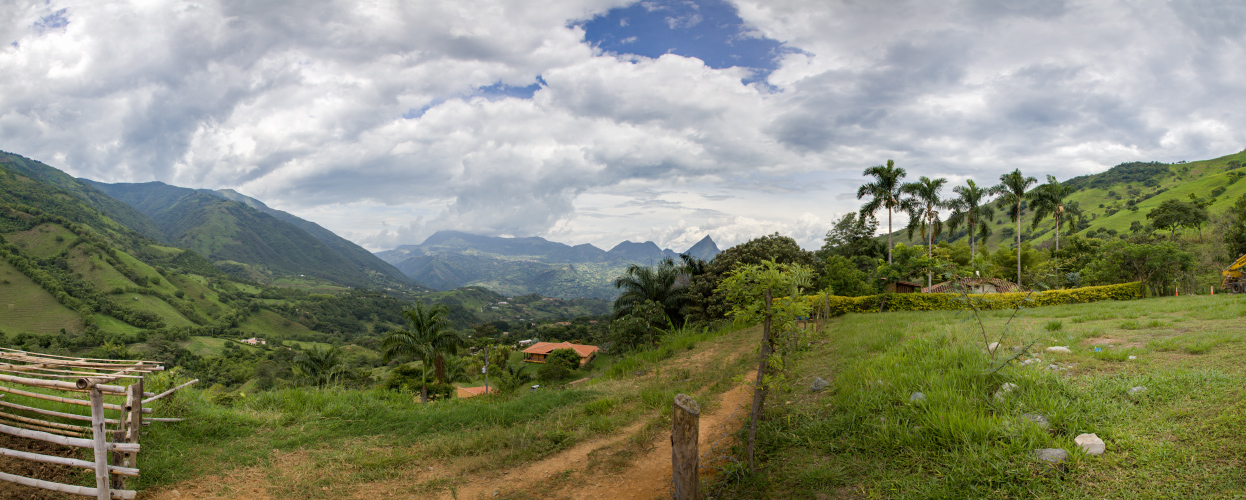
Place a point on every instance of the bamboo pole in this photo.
(100, 445)
(49, 430)
(44, 423)
(165, 393)
(57, 384)
(40, 368)
(685, 428)
(5, 350)
(50, 413)
(63, 440)
(149, 420)
(58, 399)
(72, 462)
(64, 488)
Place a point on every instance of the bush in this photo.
(559, 364)
(954, 302)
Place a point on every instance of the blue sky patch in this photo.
(710, 30)
(55, 20)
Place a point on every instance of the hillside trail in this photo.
(567, 474)
(570, 474)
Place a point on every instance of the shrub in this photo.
(559, 364)
(954, 302)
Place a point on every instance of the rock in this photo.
(1038, 420)
(1053, 367)
(819, 384)
(1132, 357)
(496, 493)
(1090, 443)
(1053, 455)
(1134, 391)
(1004, 390)
(1056, 348)
(916, 397)
(992, 347)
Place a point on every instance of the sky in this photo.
(598, 121)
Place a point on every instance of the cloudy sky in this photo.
(603, 120)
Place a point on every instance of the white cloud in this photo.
(304, 107)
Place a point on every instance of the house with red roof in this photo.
(538, 352)
(468, 392)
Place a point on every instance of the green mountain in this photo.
(519, 266)
(1115, 201)
(250, 240)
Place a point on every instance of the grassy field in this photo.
(210, 346)
(27, 307)
(1183, 436)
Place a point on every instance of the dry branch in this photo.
(65, 488)
(72, 462)
(64, 440)
(165, 393)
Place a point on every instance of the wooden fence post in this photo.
(685, 430)
(100, 433)
(759, 390)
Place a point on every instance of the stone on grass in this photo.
(1057, 348)
(992, 347)
(1053, 455)
(1132, 357)
(1004, 390)
(1134, 391)
(1053, 367)
(1090, 443)
(819, 384)
(1038, 420)
(916, 397)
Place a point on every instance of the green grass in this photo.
(864, 437)
(27, 307)
(210, 346)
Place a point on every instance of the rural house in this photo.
(538, 352)
(904, 287)
(468, 392)
(975, 285)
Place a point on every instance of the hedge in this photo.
(954, 301)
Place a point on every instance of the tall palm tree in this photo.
(427, 339)
(884, 192)
(1049, 201)
(320, 366)
(925, 215)
(968, 209)
(1011, 191)
(658, 283)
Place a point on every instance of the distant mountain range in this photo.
(518, 266)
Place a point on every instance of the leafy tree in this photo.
(320, 366)
(1156, 265)
(1235, 228)
(852, 237)
(746, 289)
(426, 339)
(1174, 214)
(641, 321)
(1048, 200)
(924, 214)
(841, 277)
(712, 304)
(1011, 190)
(969, 208)
(511, 377)
(559, 364)
(642, 284)
(885, 192)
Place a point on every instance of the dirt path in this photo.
(566, 475)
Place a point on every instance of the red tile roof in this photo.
(548, 347)
(475, 391)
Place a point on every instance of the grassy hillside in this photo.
(25, 307)
(1105, 198)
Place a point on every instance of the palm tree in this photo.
(1011, 191)
(427, 339)
(968, 209)
(657, 284)
(1049, 201)
(320, 366)
(925, 215)
(884, 192)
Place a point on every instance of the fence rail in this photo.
(115, 450)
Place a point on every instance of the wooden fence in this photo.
(115, 449)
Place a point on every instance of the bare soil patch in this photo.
(47, 472)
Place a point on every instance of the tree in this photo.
(885, 192)
(852, 237)
(1011, 190)
(426, 339)
(1174, 214)
(559, 364)
(924, 214)
(968, 208)
(641, 321)
(711, 303)
(1048, 200)
(641, 284)
(842, 278)
(320, 366)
